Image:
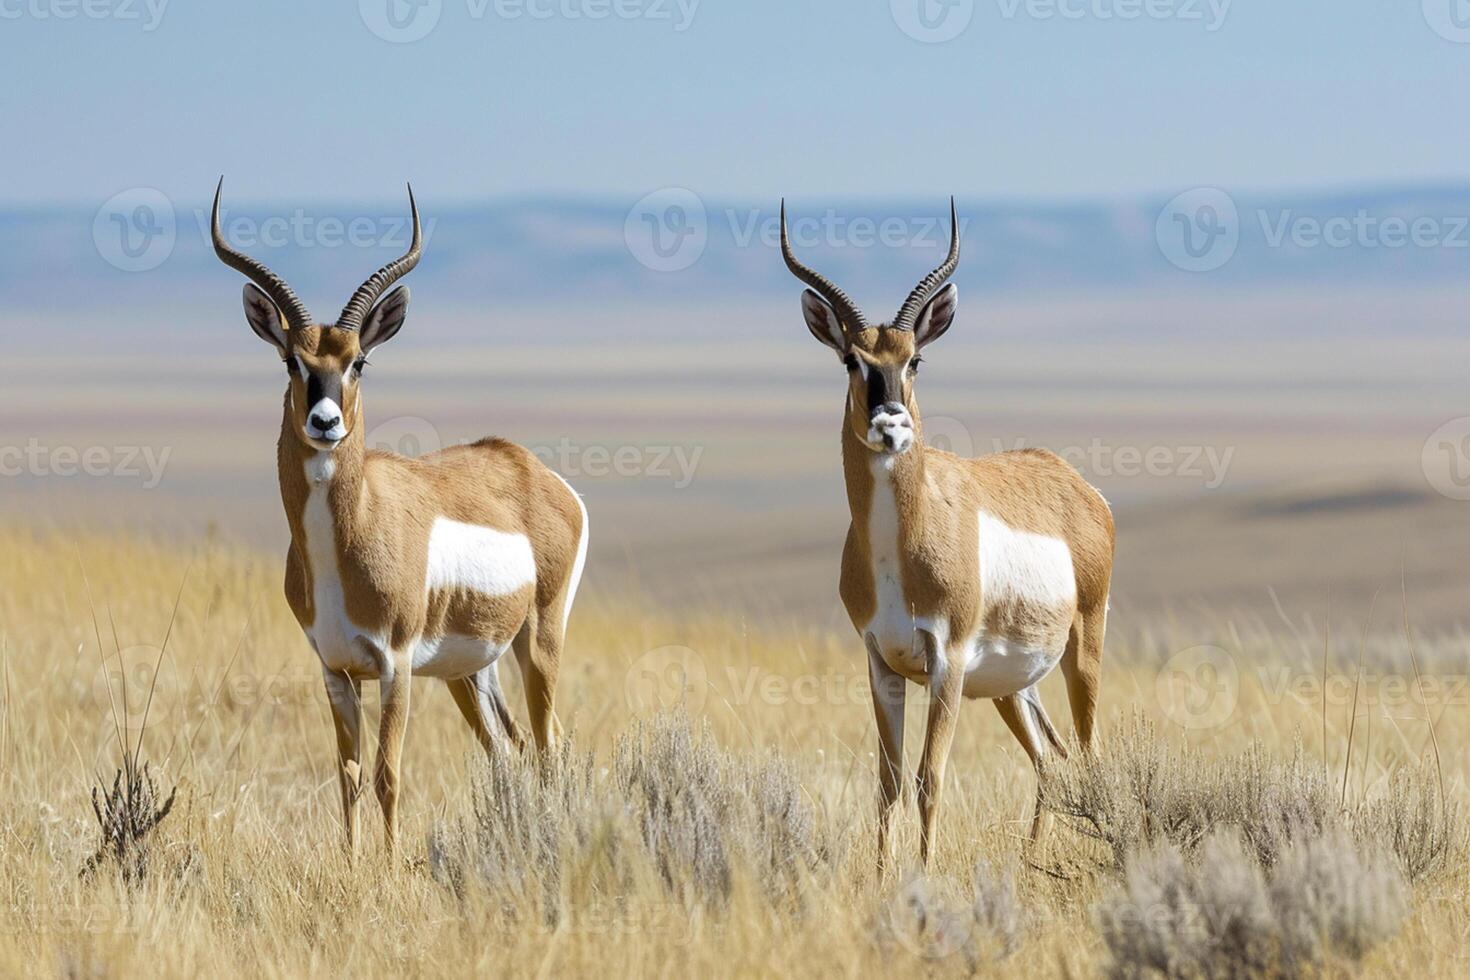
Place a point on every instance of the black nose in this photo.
(324, 424)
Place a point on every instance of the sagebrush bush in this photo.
(1217, 913)
(674, 807)
(937, 918)
(1142, 790)
(1334, 897)
(1413, 821)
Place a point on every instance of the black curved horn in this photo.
(367, 294)
(847, 310)
(908, 314)
(285, 298)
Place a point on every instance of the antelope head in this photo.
(325, 361)
(881, 360)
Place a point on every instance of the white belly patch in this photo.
(452, 655)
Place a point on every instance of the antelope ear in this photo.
(822, 321)
(384, 320)
(264, 318)
(936, 316)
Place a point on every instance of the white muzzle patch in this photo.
(324, 422)
(891, 430)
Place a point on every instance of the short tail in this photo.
(1032, 701)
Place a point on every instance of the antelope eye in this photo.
(851, 362)
(359, 364)
(914, 364)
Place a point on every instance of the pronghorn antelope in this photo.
(973, 577)
(402, 566)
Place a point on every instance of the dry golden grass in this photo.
(664, 851)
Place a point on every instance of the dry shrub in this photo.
(127, 815)
(1140, 791)
(936, 918)
(1413, 821)
(703, 811)
(675, 814)
(1218, 913)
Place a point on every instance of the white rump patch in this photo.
(581, 560)
(478, 559)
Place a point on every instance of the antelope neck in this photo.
(304, 470)
(903, 472)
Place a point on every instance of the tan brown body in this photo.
(973, 577)
(940, 603)
(939, 502)
(399, 566)
(384, 507)
(360, 580)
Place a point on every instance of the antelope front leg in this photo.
(394, 687)
(344, 693)
(946, 684)
(888, 705)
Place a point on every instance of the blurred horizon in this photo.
(676, 246)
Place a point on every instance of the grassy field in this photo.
(713, 811)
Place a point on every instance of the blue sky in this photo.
(736, 98)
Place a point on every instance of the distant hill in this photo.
(586, 253)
